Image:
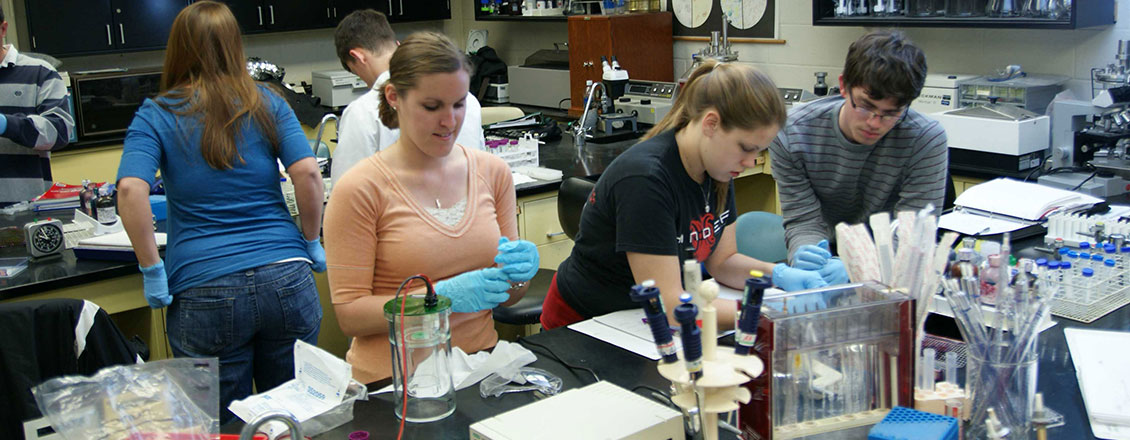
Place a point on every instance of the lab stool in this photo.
(523, 318)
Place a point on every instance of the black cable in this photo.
(1080, 185)
(558, 359)
(656, 391)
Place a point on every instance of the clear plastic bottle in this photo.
(1113, 274)
(990, 276)
(1087, 278)
(1084, 259)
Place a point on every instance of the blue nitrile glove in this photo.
(156, 284)
(3, 123)
(475, 290)
(317, 255)
(834, 272)
(812, 256)
(791, 278)
(519, 259)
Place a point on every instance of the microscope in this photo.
(1094, 134)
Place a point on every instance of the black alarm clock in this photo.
(44, 238)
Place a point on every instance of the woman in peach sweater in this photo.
(424, 205)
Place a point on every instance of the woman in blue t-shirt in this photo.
(670, 198)
(238, 282)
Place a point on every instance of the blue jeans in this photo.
(249, 320)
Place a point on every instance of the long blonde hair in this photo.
(422, 53)
(205, 76)
(743, 97)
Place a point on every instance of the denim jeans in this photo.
(249, 320)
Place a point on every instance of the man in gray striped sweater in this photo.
(33, 122)
(843, 158)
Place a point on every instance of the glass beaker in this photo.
(422, 356)
(965, 8)
(850, 8)
(1003, 8)
(1009, 388)
(886, 8)
(925, 8)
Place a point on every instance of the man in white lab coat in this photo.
(365, 42)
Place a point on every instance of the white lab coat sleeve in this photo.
(359, 134)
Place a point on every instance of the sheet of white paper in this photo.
(1101, 373)
(725, 292)
(634, 338)
(520, 178)
(972, 224)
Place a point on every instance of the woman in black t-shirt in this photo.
(670, 198)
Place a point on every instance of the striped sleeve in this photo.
(926, 182)
(800, 207)
(47, 125)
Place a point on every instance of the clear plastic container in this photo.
(422, 358)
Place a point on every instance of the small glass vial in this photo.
(990, 276)
(105, 210)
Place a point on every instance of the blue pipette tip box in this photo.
(905, 424)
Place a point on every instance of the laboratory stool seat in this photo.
(761, 235)
(571, 198)
(528, 310)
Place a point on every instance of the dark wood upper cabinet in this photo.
(73, 27)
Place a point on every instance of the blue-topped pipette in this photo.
(692, 337)
(685, 314)
(647, 295)
(750, 312)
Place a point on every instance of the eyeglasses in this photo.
(868, 114)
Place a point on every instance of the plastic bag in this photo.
(175, 396)
(524, 379)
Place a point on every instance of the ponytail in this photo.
(385, 112)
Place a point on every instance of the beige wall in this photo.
(810, 49)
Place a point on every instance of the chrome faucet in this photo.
(581, 130)
(322, 126)
(293, 428)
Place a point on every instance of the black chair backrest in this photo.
(571, 200)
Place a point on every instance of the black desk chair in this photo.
(571, 198)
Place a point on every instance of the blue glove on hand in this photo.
(812, 257)
(3, 123)
(519, 259)
(317, 255)
(156, 284)
(475, 290)
(791, 278)
(834, 272)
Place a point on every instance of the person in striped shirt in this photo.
(35, 122)
(846, 157)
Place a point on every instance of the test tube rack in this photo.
(1086, 299)
(834, 369)
(1075, 228)
(521, 152)
(719, 388)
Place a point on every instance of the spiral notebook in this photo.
(1005, 205)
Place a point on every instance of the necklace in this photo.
(706, 194)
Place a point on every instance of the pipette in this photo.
(751, 312)
(692, 355)
(692, 336)
(647, 295)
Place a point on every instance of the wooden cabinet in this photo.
(641, 42)
(72, 27)
(538, 223)
(962, 183)
(259, 16)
